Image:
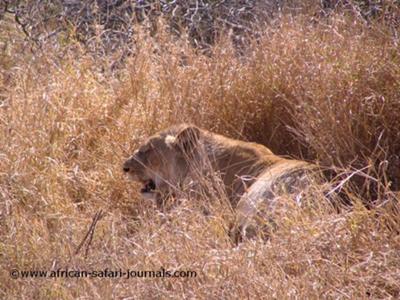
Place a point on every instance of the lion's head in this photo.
(162, 162)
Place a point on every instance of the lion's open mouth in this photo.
(149, 186)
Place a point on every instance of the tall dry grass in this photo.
(324, 90)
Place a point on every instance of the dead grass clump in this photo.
(327, 91)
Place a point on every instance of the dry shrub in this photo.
(326, 90)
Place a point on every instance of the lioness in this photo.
(250, 172)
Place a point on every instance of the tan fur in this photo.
(251, 173)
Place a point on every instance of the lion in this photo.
(251, 174)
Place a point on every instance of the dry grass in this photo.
(324, 90)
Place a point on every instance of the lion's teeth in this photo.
(148, 186)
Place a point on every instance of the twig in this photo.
(90, 233)
(342, 182)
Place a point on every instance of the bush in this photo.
(322, 88)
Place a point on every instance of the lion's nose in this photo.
(126, 169)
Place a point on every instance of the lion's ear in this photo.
(187, 139)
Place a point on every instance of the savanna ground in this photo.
(325, 88)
